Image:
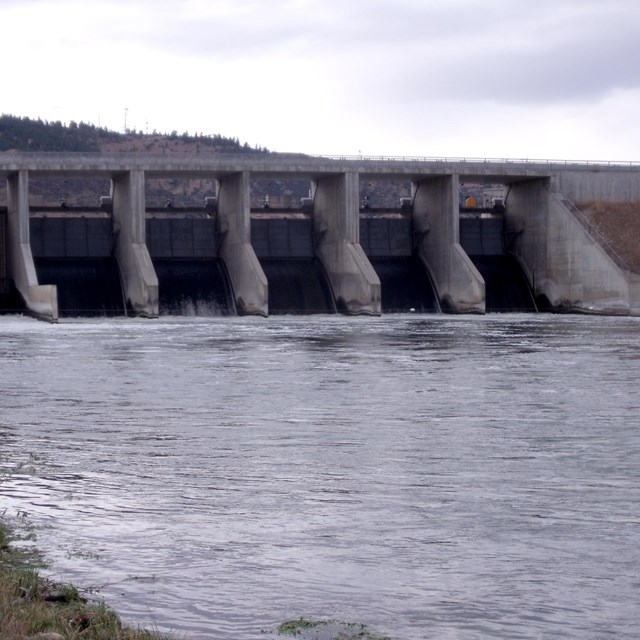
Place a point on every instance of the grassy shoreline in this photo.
(34, 607)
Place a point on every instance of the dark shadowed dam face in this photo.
(298, 283)
(405, 285)
(86, 286)
(192, 280)
(76, 255)
(193, 287)
(10, 300)
(298, 287)
(506, 286)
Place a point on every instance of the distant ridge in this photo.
(25, 134)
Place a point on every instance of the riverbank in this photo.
(35, 608)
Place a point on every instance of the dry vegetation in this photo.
(619, 225)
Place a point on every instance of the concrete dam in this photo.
(329, 254)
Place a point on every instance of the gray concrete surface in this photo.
(336, 220)
(139, 278)
(248, 281)
(40, 300)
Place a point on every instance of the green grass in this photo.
(305, 629)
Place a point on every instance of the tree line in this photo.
(26, 134)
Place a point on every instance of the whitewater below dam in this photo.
(431, 476)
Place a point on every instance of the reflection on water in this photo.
(433, 477)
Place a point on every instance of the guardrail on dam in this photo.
(345, 253)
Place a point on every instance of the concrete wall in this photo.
(482, 236)
(71, 237)
(527, 213)
(336, 218)
(282, 237)
(182, 237)
(634, 294)
(40, 300)
(562, 260)
(581, 276)
(386, 237)
(139, 278)
(608, 184)
(598, 183)
(234, 228)
(436, 224)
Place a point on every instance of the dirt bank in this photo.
(619, 224)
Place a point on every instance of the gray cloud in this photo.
(565, 70)
(508, 50)
(549, 52)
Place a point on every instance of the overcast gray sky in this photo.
(547, 79)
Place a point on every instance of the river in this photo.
(432, 476)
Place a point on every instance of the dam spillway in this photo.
(507, 288)
(10, 299)
(298, 283)
(405, 286)
(297, 286)
(562, 260)
(405, 283)
(193, 287)
(192, 280)
(482, 236)
(76, 255)
(87, 287)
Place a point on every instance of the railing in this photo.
(297, 157)
(471, 160)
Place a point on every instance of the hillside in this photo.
(25, 134)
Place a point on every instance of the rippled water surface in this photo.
(431, 476)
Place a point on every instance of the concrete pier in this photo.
(249, 283)
(40, 300)
(336, 221)
(139, 279)
(436, 224)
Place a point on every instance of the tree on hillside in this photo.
(25, 134)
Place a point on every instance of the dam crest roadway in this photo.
(329, 254)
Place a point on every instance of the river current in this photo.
(435, 476)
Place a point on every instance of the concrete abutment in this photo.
(565, 264)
